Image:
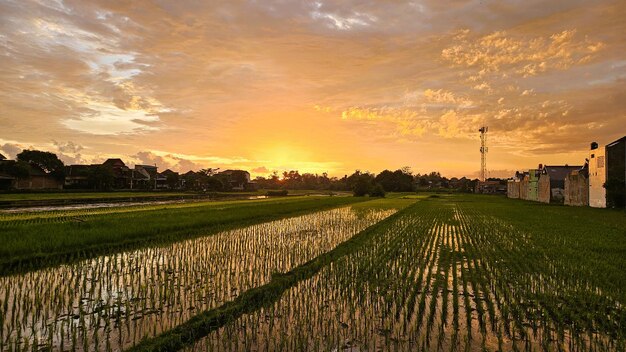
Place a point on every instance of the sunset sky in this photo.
(318, 86)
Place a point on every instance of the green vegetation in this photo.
(157, 288)
(41, 239)
(406, 272)
(83, 195)
(265, 295)
(450, 272)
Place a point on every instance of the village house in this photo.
(514, 184)
(33, 177)
(237, 180)
(529, 185)
(551, 183)
(576, 185)
(616, 173)
(169, 179)
(77, 176)
(600, 183)
(490, 187)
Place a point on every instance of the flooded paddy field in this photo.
(442, 273)
(444, 276)
(33, 240)
(111, 302)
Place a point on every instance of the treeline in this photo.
(362, 183)
(105, 177)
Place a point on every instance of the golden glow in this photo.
(323, 88)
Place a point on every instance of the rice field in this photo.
(110, 302)
(442, 273)
(444, 276)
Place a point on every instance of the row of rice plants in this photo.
(444, 276)
(18, 217)
(111, 302)
(29, 246)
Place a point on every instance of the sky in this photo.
(315, 86)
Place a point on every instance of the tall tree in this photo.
(48, 162)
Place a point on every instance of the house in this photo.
(616, 173)
(529, 185)
(121, 173)
(597, 176)
(576, 187)
(551, 182)
(6, 179)
(37, 179)
(24, 176)
(523, 185)
(144, 177)
(237, 180)
(513, 185)
(490, 187)
(169, 179)
(77, 176)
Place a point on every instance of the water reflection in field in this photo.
(111, 302)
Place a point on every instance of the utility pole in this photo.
(483, 152)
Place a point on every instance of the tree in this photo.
(46, 161)
(377, 191)
(397, 181)
(361, 187)
(360, 183)
(173, 180)
(214, 184)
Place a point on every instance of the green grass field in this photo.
(44, 196)
(83, 195)
(449, 272)
(47, 238)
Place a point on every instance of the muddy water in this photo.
(438, 280)
(111, 302)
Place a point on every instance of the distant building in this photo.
(513, 185)
(25, 176)
(237, 180)
(529, 186)
(551, 183)
(144, 177)
(616, 173)
(597, 176)
(121, 173)
(37, 179)
(2, 157)
(169, 179)
(490, 187)
(576, 189)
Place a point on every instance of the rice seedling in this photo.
(111, 302)
(36, 240)
(451, 274)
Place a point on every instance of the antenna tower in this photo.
(483, 152)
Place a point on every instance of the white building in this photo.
(597, 176)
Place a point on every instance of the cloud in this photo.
(403, 122)
(199, 80)
(68, 147)
(10, 150)
(523, 55)
(449, 125)
(149, 158)
(261, 170)
(447, 97)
